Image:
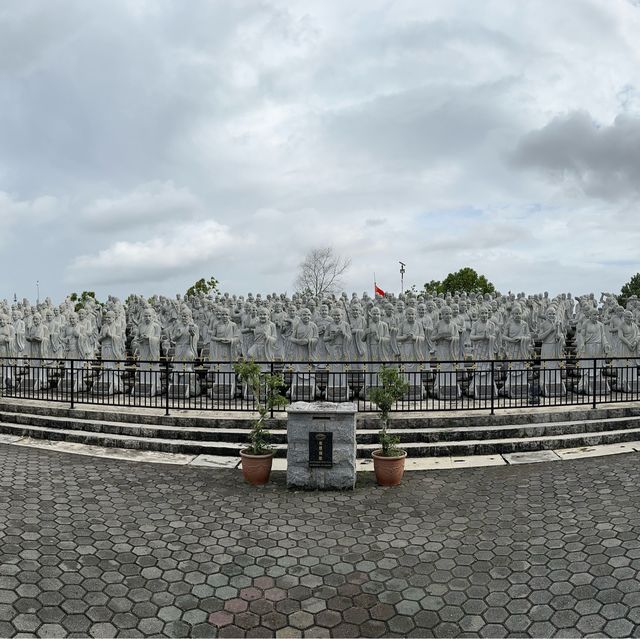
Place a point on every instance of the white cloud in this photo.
(148, 204)
(186, 247)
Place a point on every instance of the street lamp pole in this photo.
(402, 272)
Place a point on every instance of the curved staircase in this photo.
(422, 435)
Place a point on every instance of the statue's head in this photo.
(516, 313)
(109, 317)
(263, 315)
(305, 315)
(374, 314)
(551, 314)
(422, 309)
(445, 313)
(73, 319)
(356, 311)
(628, 317)
(411, 315)
(336, 315)
(324, 311)
(147, 315)
(483, 314)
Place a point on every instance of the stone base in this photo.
(29, 385)
(448, 392)
(630, 387)
(307, 418)
(337, 393)
(415, 393)
(303, 387)
(103, 388)
(222, 391)
(65, 386)
(179, 391)
(554, 390)
(483, 391)
(144, 390)
(599, 387)
(517, 391)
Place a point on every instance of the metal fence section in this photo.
(432, 386)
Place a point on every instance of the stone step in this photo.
(418, 420)
(128, 441)
(239, 432)
(533, 438)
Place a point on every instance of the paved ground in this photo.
(104, 547)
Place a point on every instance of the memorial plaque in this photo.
(320, 450)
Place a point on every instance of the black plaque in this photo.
(320, 450)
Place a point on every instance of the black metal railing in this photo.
(432, 386)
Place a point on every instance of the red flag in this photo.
(378, 290)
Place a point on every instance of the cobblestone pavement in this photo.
(102, 547)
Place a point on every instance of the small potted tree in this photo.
(258, 456)
(388, 460)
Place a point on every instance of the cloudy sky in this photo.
(147, 143)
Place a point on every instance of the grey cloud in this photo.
(602, 160)
(147, 205)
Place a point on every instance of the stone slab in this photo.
(595, 451)
(321, 417)
(9, 439)
(215, 461)
(530, 458)
(111, 453)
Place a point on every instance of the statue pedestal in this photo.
(303, 387)
(556, 389)
(144, 390)
(415, 393)
(321, 445)
(337, 393)
(448, 392)
(517, 391)
(179, 391)
(103, 388)
(29, 385)
(483, 391)
(598, 387)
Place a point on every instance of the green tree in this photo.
(203, 286)
(465, 280)
(392, 388)
(81, 299)
(632, 287)
(266, 389)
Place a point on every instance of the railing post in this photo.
(270, 390)
(72, 383)
(595, 369)
(493, 385)
(166, 387)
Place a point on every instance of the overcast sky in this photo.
(145, 144)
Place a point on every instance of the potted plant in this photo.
(388, 460)
(258, 456)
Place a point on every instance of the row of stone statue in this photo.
(409, 328)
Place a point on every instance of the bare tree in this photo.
(321, 271)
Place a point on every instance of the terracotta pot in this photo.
(256, 468)
(389, 470)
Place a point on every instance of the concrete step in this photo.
(364, 435)
(418, 443)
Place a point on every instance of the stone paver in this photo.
(101, 547)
